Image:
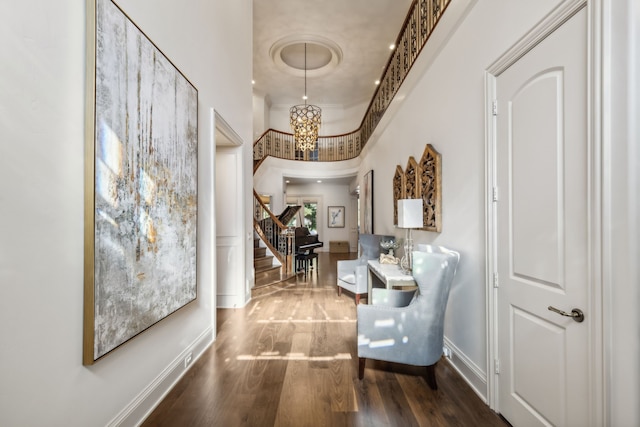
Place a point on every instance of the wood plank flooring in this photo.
(289, 358)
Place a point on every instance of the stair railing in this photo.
(277, 236)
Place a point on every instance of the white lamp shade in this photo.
(410, 213)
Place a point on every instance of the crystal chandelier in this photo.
(305, 119)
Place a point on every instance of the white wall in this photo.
(621, 224)
(336, 119)
(261, 116)
(327, 195)
(42, 116)
(269, 178)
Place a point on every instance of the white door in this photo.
(542, 231)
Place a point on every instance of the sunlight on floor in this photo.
(345, 320)
(274, 355)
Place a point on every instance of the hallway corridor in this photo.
(289, 358)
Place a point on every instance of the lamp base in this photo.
(406, 263)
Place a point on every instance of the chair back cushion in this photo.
(370, 245)
(433, 273)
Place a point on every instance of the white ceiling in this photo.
(357, 32)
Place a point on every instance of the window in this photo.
(308, 215)
(311, 216)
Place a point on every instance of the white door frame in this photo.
(566, 9)
(228, 142)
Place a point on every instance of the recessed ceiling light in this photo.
(319, 181)
(377, 82)
(288, 182)
(392, 46)
(253, 82)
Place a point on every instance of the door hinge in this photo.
(495, 280)
(496, 366)
(494, 196)
(494, 107)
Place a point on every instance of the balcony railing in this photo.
(420, 22)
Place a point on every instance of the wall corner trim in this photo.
(469, 371)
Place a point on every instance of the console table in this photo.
(389, 275)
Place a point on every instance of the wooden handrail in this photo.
(275, 219)
(277, 236)
(281, 257)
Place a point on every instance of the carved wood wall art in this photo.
(421, 180)
(411, 177)
(430, 189)
(398, 191)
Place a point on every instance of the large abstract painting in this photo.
(141, 184)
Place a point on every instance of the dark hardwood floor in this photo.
(289, 358)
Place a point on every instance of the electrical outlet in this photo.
(187, 360)
(447, 352)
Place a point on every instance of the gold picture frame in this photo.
(140, 184)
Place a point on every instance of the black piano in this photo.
(305, 244)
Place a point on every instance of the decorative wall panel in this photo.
(430, 188)
(421, 180)
(398, 191)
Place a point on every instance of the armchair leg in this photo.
(357, 299)
(361, 362)
(431, 377)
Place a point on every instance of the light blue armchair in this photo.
(352, 274)
(403, 328)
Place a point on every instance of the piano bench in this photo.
(304, 261)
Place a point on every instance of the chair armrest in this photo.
(349, 266)
(350, 263)
(392, 297)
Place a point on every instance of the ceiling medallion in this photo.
(323, 55)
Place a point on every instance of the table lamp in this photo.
(409, 216)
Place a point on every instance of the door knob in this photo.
(576, 314)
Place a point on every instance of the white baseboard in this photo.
(140, 407)
(470, 372)
(232, 301)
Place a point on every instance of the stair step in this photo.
(262, 263)
(259, 252)
(267, 276)
(281, 281)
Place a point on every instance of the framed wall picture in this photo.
(367, 203)
(141, 196)
(335, 217)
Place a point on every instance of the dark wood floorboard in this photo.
(289, 358)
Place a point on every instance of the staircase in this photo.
(270, 233)
(266, 272)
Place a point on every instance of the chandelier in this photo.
(305, 119)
